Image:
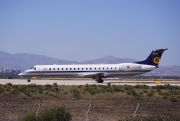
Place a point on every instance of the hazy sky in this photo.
(88, 29)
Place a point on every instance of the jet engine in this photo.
(130, 66)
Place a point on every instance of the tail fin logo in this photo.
(156, 60)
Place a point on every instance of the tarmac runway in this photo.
(84, 82)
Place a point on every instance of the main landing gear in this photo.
(99, 80)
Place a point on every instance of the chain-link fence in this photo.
(13, 109)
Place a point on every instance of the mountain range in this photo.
(24, 61)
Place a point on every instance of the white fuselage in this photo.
(88, 70)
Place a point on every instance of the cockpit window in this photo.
(34, 68)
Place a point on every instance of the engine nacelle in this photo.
(129, 66)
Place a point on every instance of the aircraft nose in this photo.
(20, 74)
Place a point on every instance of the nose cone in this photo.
(21, 74)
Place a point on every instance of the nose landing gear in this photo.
(29, 80)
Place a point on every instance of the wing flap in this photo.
(89, 74)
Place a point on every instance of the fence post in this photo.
(88, 112)
(136, 110)
(38, 110)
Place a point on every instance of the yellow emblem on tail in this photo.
(156, 60)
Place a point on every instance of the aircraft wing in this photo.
(90, 74)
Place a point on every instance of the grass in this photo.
(54, 114)
(90, 91)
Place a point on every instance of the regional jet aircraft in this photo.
(96, 71)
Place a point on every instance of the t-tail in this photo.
(153, 58)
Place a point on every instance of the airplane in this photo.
(96, 71)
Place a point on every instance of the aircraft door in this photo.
(41, 69)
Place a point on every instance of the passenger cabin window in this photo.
(54, 68)
(74, 68)
(49, 68)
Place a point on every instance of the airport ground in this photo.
(84, 81)
(109, 101)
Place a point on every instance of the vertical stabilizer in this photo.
(153, 58)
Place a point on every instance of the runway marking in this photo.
(84, 82)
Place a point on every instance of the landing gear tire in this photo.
(28, 80)
(99, 81)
